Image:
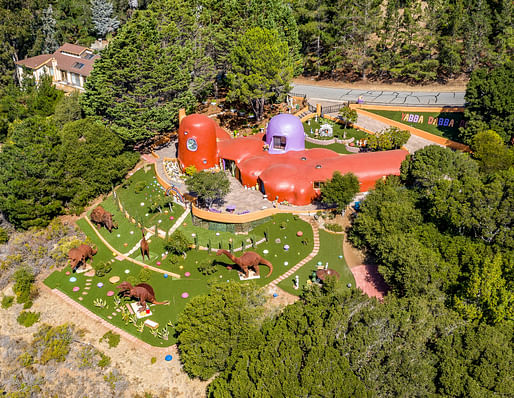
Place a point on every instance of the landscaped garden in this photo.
(338, 130)
(442, 124)
(331, 253)
(277, 240)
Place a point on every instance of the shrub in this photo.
(177, 243)
(26, 359)
(4, 237)
(139, 186)
(102, 269)
(7, 301)
(113, 339)
(334, 227)
(28, 318)
(52, 343)
(132, 280)
(23, 285)
(207, 267)
(104, 360)
(153, 360)
(174, 259)
(283, 225)
(190, 170)
(144, 275)
(27, 305)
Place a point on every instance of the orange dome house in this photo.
(197, 142)
(291, 174)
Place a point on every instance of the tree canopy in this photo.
(340, 190)
(209, 187)
(261, 68)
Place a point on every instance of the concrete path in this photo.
(409, 98)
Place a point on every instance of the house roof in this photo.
(35, 62)
(69, 57)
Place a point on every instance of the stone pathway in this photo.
(179, 221)
(314, 253)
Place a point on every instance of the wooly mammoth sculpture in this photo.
(144, 292)
(248, 260)
(100, 217)
(80, 255)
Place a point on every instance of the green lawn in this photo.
(171, 289)
(331, 251)
(152, 190)
(450, 132)
(339, 148)
(338, 129)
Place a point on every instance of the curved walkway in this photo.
(120, 256)
(314, 253)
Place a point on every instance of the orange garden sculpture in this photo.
(80, 255)
(144, 292)
(100, 217)
(248, 260)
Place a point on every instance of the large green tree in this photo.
(340, 190)
(490, 103)
(261, 69)
(214, 327)
(145, 76)
(209, 187)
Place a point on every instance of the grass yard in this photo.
(143, 188)
(281, 227)
(339, 148)
(331, 251)
(338, 129)
(450, 132)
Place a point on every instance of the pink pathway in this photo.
(369, 280)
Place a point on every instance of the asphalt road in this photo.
(409, 98)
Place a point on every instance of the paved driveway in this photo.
(409, 98)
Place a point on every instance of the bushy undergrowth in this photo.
(28, 318)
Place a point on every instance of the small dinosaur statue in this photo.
(145, 248)
(248, 260)
(143, 292)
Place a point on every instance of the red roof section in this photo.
(35, 62)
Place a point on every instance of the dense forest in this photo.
(442, 234)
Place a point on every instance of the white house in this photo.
(69, 66)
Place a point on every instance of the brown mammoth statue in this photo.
(248, 260)
(100, 217)
(80, 255)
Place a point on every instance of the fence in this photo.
(333, 108)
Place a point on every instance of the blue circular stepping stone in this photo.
(165, 275)
(275, 295)
(73, 279)
(168, 357)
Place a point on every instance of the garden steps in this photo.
(313, 253)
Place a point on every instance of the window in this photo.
(192, 145)
(78, 65)
(64, 76)
(317, 184)
(75, 79)
(279, 142)
(88, 56)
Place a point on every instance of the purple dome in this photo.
(285, 133)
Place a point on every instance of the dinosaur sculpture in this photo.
(100, 217)
(145, 248)
(80, 255)
(144, 292)
(248, 260)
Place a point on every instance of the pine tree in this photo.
(48, 23)
(102, 18)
